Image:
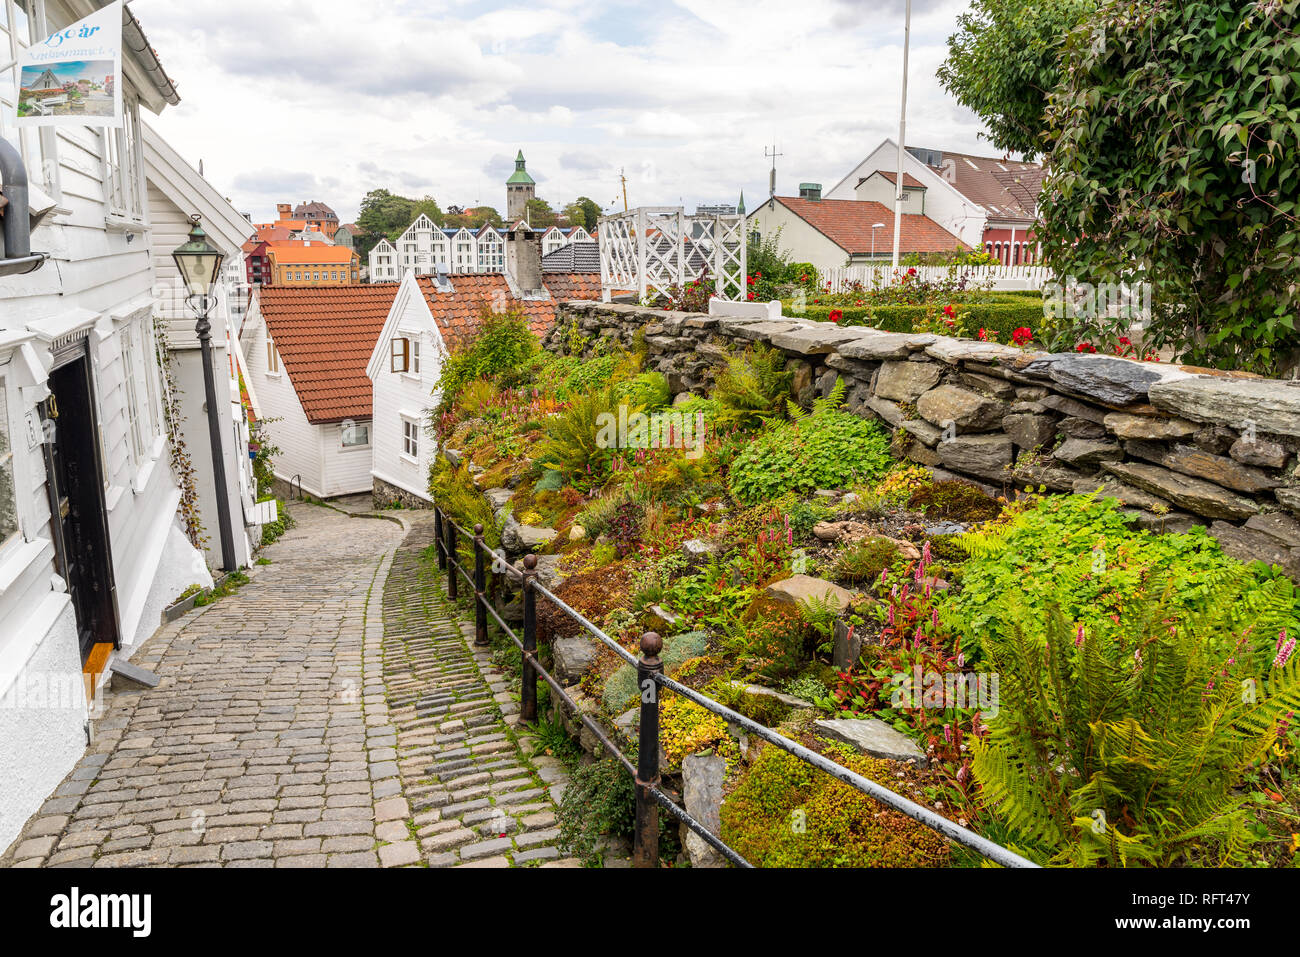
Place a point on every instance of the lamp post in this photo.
(902, 137)
(199, 263)
(874, 227)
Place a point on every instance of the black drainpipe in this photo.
(15, 215)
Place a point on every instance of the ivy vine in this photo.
(182, 464)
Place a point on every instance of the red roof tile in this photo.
(848, 222)
(459, 313)
(325, 335)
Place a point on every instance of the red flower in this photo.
(1022, 335)
(803, 277)
(911, 272)
(836, 315)
(750, 280)
(947, 310)
(749, 296)
(1085, 347)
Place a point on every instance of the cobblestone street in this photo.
(329, 713)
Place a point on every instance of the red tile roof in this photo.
(848, 222)
(1006, 189)
(325, 335)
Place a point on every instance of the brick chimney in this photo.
(524, 260)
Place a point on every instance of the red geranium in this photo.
(947, 310)
(1022, 335)
(749, 296)
(836, 315)
(1085, 347)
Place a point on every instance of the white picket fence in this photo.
(1002, 277)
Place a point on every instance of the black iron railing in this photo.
(650, 679)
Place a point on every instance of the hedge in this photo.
(1002, 317)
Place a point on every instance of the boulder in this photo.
(1270, 405)
(802, 378)
(1290, 497)
(1125, 494)
(497, 497)
(1257, 451)
(524, 538)
(577, 533)
(847, 645)
(906, 381)
(573, 656)
(872, 737)
(1029, 431)
(1213, 468)
(453, 456)
(548, 570)
(969, 411)
(666, 617)
(1103, 378)
(984, 455)
(1249, 545)
(1088, 452)
(799, 588)
(698, 552)
(1154, 428)
(1277, 525)
(1193, 494)
(702, 779)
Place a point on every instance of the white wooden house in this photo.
(306, 350)
(91, 550)
(176, 191)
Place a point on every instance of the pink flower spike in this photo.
(1284, 655)
(1078, 636)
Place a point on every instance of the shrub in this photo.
(1130, 746)
(1003, 317)
(600, 801)
(620, 690)
(455, 493)
(788, 814)
(827, 449)
(648, 391)
(504, 344)
(572, 445)
(864, 561)
(686, 728)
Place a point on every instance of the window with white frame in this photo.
(131, 384)
(355, 435)
(414, 355)
(410, 437)
(22, 22)
(272, 358)
(400, 355)
(8, 497)
(124, 165)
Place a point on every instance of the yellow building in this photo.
(312, 264)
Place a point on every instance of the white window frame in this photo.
(122, 156)
(272, 358)
(410, 438)
(344, 428)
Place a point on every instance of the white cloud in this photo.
(326, 99)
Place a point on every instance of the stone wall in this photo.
(386, 495)
(1176, 445)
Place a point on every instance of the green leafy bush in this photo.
(1002, 317)
(456, 494)
(503, 345)
(1130, 746)
(786, 813)
(827, 449)
(573, 445)
(1077, 552)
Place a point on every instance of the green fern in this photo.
(1132, 749)
(752, 388)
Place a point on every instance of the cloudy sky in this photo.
(292, 100)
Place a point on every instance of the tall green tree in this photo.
(540, 214)
(583, 211)
(1175, 150)
(1004, 62)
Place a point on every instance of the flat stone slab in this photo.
(873, 737)
(817, 341)
(953, 351)
(886, 345)
(126, 673)
(800, 588)
(1193, 494)
(573, 656)
(1104, 378)
(1270, 405)
(788, 700)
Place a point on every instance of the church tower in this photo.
(520, 188)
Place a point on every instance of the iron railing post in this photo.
(480, 586)
(453, 561)
(437, 538)
(528, 692)
(645, 845)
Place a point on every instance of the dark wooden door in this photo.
(78, 513)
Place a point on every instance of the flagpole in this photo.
(902, 134)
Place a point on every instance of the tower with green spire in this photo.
(520, 188)
(740, 207)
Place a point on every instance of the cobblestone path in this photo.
(329, 713)
(476, 797)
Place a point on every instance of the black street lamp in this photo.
(199, 263)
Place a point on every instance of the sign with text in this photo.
(73, 77)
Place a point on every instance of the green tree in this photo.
(1004, 62)
(1174, 139)
(540, 214)
(583, 211)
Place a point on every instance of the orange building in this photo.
(312, 264)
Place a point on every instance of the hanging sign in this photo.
(73, 77)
